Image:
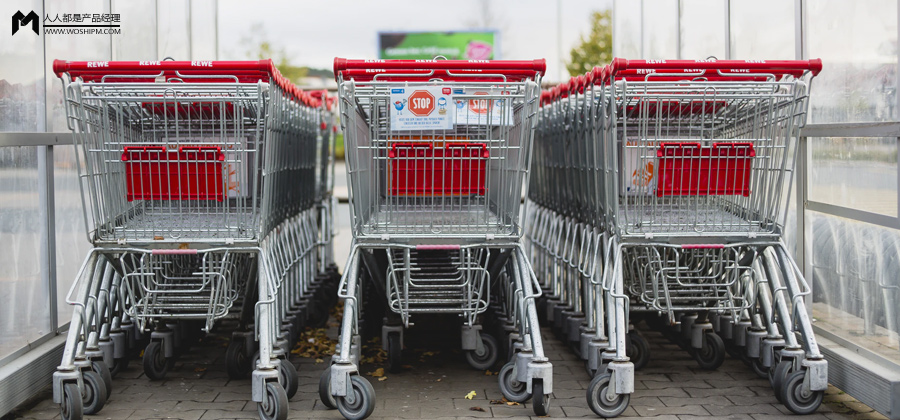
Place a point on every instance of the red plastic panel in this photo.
(419, 169)
(692, 169)
(190, 173)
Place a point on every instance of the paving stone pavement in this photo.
(437, 379)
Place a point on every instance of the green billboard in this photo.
(462, 45)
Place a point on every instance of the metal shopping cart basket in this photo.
(437, 160)
(695, 164)
(189, 177)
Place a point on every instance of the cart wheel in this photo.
(119, 365)
(155, 363)
(758, 368)
(94, 396)
(637, 349)
(394, 352)
(488, 357)
(274, 405)
(237, 361)
(796, 399)
(734, 351)
(72, 406)
(511, 388)
(600, 402)
(325, 389)
(712, 354)
(359, 402)
(588, 370)
(777, 377)
(100, 367)
(539, 400)
(288, 378)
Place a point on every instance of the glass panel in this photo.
(71, 47)
(627, 29)
(660, 19)
(860, 173)
(856, 291)
(702, 29)
(776, 39)
(21, 72)
(173, 18)
(857, 41)
(138, 38)
(72, 245)
(203, 30)
(23, 292)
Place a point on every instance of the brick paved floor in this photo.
(436, 382)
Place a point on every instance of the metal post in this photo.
(678, 30)
(728, 29)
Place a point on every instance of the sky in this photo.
(312, 33)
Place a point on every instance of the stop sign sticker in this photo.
(479, 106)
(420, 108)
(421, 103)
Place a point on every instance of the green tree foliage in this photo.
(596, 48)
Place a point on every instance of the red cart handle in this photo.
(538, 66)
(726, 66)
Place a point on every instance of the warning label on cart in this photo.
(480, 107)
(421, 108)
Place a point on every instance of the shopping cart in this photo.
(694, 164)
(437, 159)
(189, 177)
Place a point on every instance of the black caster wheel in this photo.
(325, 389)
(588, 370)
(758, 368)
(734, 351)
(237, 361)
(288, 378)
(600, 402)
(101, 369)
(539, 400)
(94, 396)
(777, 377)
(274, 405)
(637, 349)
(712, 354)
(359, 402)
(72, 406)
(796, 399)
(155, 363)
(394, 352)
(488, 357)
(119, 365)
(511, 388)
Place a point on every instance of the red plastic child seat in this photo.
(419, 169)
(692, 169)
(190, 173)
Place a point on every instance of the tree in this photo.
(258, 47)
(596, 49)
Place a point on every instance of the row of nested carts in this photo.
(651, 191)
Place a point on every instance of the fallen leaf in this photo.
(438, 380)
(377, 373)
(471, 395)
(511, 403)
(382, 379)
(488, 373)
(319, 360)
(496, 402)
(477, 409)
(200, 369)
(406, 367)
